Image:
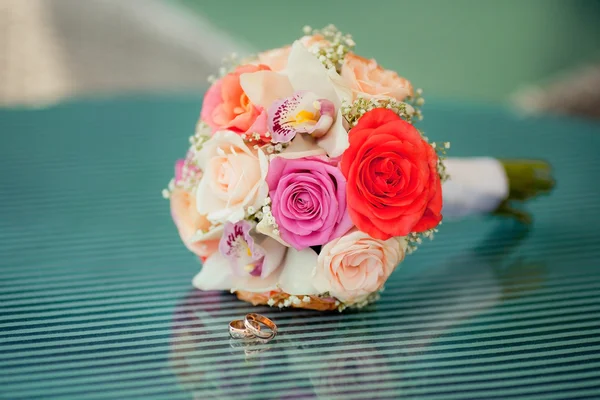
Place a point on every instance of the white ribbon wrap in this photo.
(476, 186)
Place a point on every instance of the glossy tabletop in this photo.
(96, 300)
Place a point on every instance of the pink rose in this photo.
(308, 200)
(368, 79)
(226, 106)
(355, 265)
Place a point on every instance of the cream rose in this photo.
(233, 180)
(368, 79)
(277, 59)
(189, 222)
(355, 265)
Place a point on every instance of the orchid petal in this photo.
(267, 230)
(214, 233)
(256, 284)
(302, 146)
(274, 254)
(264, 87)
(336, 141)
(215, 274)
(342, 88)
(297, 272)
(305, 72)
(303, 112)
(239, 247)
(327, 111)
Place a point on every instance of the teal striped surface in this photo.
(96, 300)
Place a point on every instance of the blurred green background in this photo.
(479, 50)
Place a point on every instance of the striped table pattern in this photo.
(96, 301)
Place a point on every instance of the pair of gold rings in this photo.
(251, 328)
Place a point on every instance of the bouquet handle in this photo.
(484, 185)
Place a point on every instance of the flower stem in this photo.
(527, 179)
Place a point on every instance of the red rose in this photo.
(393, 185)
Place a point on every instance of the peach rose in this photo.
(371, 80)
(189, 221)
(355, 265)
(277, 59)
(226, 106)
(233, 179)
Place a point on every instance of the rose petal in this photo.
(205, 200)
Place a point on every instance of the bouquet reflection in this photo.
(319, 355)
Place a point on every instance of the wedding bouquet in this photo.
(306, 183)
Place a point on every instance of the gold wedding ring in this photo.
(252, 320)
(238, 330)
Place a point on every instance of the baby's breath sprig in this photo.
(166, 193)
(441, 150)
(332, 51)
(416, 101)
(190, 176)
(200, 137)
(441, 167)
(228, 64)
(353, 111)
(267, 215)
(414, 239)
(371, 298)
(254, 140)
(190, 171)
(275, 148)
